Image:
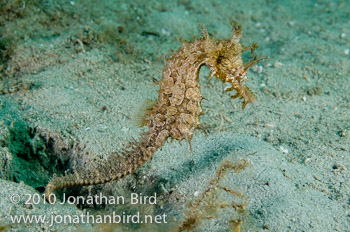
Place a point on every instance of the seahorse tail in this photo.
(118, 165)
(71, 180)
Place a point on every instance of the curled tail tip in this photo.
(49, 189)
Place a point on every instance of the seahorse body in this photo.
(177, 110)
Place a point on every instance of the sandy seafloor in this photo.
(75, 73)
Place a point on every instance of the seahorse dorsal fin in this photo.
(140, 117)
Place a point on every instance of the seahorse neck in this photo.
(187, 61)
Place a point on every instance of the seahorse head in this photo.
(226, 63)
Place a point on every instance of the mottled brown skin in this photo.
(177, 110)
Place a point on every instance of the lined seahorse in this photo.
(176, 112)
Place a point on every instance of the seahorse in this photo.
(176, 112)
